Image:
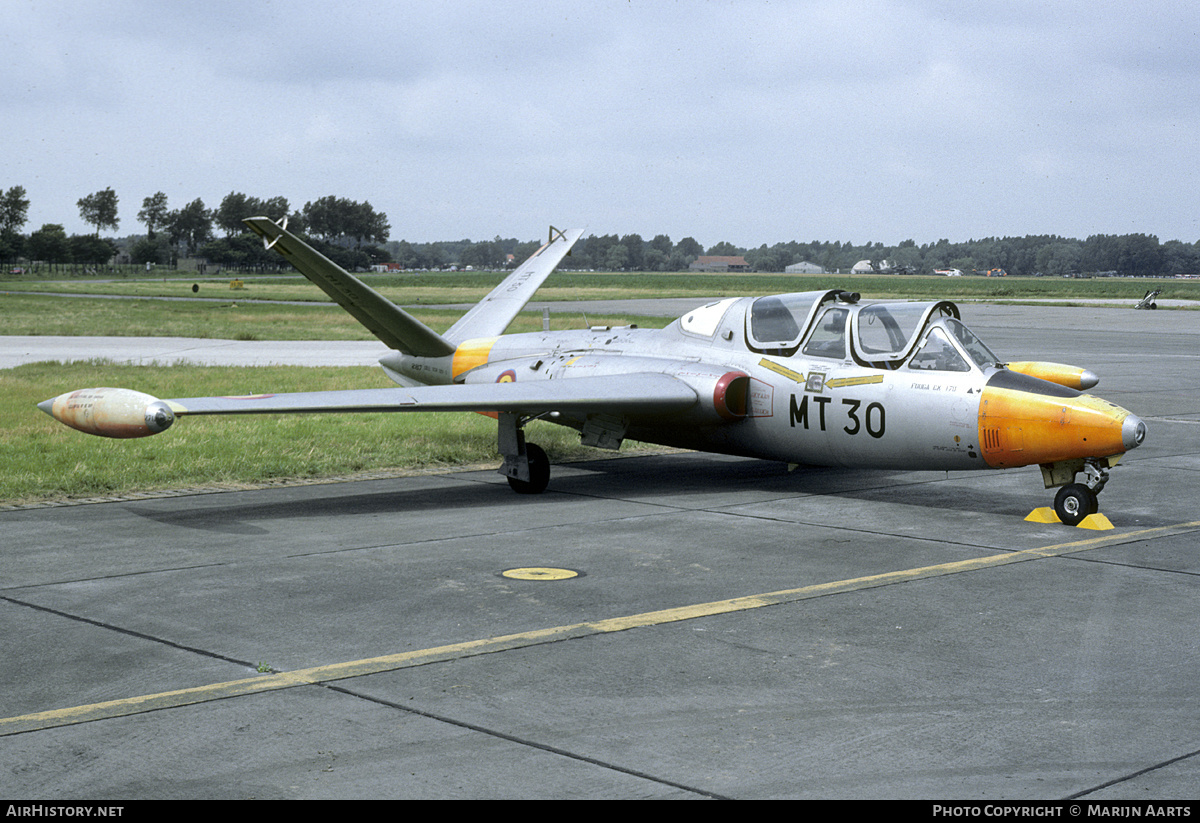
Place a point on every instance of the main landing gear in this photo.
(1075, 501)
(525, 464)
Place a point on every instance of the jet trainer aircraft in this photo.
(812, 378)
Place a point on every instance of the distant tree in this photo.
(100, 210)
(87, 249)
(150, 250)
(337, 219)
(322, 217)
(484, 255)
(1140, 255)
(522, 251)
(662, 243)
(764, 259)
(1100, 252)
(597, 248)
(724, 249)
(689, 248)
(964, 264)
(154, 213)
(14, 209)
(636, 247)
(12, 245)
(49, 244)
(233, 209)
(14, 213)
(1057, 259)
(236, 207)
(191, 225)
(906, 259)
(1181, 258)
(617, 258)
(365, 224)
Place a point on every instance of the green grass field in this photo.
(469, 287)
(44, 460)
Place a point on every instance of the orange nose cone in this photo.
(1023, 421)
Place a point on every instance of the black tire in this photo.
(539, 472)
(1074, 502)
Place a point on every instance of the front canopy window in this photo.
(886, 330)
(937, 353)
(974, 347)
(951, 346)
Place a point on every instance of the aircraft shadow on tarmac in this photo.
(664, 478)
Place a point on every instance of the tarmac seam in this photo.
(525, 742)
(321, 675)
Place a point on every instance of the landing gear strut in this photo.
(525, 464)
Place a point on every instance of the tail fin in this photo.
(492, 315)
(395, 327)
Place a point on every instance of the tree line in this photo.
(356, 236)
(343, 228)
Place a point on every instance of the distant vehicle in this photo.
(949, 272)
(1147, 302)
(815, 378)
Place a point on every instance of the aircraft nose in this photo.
(1133, 431)
(1023, 420)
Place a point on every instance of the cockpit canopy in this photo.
(879, 335)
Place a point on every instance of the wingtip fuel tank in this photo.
(110, 412)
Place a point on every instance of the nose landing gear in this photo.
(1075, 501)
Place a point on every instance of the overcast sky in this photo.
(750, 122)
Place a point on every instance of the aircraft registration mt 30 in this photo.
(815, 378)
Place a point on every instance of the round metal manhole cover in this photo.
(539, 573)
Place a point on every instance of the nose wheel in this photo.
(1075, 502)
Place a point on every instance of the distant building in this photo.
(867, 267)
(804, 268)
(720, 264)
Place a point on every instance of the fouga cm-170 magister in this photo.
(814, 378)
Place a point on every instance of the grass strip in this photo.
(42, 460)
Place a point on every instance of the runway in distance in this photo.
(816, 378)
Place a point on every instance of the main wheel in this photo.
(539, 472)
(1074, 502)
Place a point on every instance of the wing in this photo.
(110, 412)
(395, 327)
(492, 315)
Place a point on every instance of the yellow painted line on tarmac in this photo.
(376, 665)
